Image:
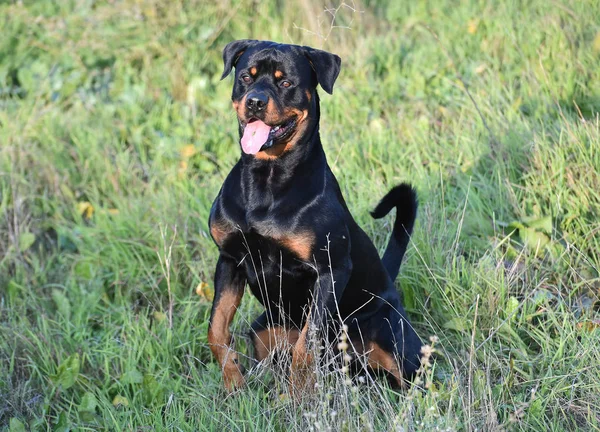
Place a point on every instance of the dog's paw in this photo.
(302, 385)
(233, 376)
(302, 375)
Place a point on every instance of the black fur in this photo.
(404, 198)
(288, 191)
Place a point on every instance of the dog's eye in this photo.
(285, 84)
(246, 78)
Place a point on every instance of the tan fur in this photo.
(301, 244)
(301, 377)
(272, 114)
(270, 339)
(253, 70)
(219, 338)
(239, 108)
(278, 74)
(220, 231)
(280, 148)
(381, 359)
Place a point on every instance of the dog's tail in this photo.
(404, 198)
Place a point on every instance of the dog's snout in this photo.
(256, 101)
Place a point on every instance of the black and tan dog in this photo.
(282, 226)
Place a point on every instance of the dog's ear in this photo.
(325, 65)
(232, 52)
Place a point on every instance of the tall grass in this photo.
(115, 128)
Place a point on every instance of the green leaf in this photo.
(26, 239)
(120, 401)
(511, 252)
(88, 403)
(534, 240)
(84, 270)
(555, 249)
(16, 425)
(536, 408)
(457, 323)
(534, 233)
(151, 389)
(514, 227)
(542, 224)
(62, 303)
(88, 417)
(132, 377)
(67, 372)
(511, 307)
(62, 425)
(159, 316)
(509, 313)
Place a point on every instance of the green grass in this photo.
(119, 105)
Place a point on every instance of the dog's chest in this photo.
(274, 273)
(262, 231)
(266, 250)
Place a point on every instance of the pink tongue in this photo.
(255, 135)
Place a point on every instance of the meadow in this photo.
(116, 135)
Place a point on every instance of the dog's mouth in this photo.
(260, 136)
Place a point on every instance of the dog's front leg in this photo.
(229, 289)
(334, 266)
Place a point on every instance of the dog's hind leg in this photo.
(267, 337)
(394, 347)
(379, 359)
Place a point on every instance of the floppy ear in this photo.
(325, 65)
(232, 52)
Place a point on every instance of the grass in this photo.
(116, 134)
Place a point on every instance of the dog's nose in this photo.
(256, 101)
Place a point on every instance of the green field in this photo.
(116, 134)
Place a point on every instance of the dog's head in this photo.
(274, 92)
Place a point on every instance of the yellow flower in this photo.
(85, 209)
(188, 151)
(472, 27)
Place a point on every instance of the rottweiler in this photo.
(282, 226)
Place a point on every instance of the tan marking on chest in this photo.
(220, 230)
(301, 244)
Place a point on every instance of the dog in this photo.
(282, 226)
